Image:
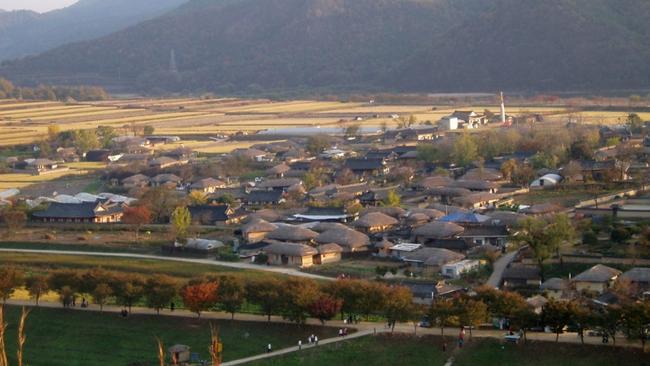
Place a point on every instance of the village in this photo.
(441, 208)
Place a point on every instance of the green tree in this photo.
(464, 150)
(636, 321)
(267, 294)
(128, 290)
(232, 294)
(101, 293)
(441, 313)
(472, 313)
(556, 315)
(181, 221)
(160, 292)
(393, 199)
(397, 305)
(85, 140)
(37, 286)
(148, 130)
(298, 296)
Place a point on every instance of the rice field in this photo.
(23, 122)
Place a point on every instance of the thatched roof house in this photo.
(436, 230)
(350, 240)
(278, 170)
(290, 254)
(257, 229)
(292, 233)
(374, 222)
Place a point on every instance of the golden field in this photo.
(23, 122)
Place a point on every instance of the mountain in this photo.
(398, 45)
(25, 32)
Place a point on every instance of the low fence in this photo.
(595, 259)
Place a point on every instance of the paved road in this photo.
(237, 265)
(499, 267)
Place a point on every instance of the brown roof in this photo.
(292, 233)
(258, 226)
(476, 198)
(290, 249)
(598, 274)
(267, 215)
(374, 219)
(208, 183)
(278, 169)
(430, 212)
(438, 230)
(435, 181)
(344, 237)
(396, 212)
(483, 174)
(325, 226)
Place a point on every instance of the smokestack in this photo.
(503, 110)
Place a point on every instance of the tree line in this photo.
(48, 92)
(297, 299)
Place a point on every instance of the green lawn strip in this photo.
(47, 262)
(148, 248)
(71, 338)
(368, 351)
(492, 352)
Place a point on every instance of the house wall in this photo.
(591, 287)
(255, 237)
(330, 258)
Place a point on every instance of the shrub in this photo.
(589, 238)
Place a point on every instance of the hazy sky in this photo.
(37, 5)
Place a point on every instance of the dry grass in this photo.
(20, 180)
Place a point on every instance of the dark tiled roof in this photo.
(521, 273)
(364, 164)
(485, 231)
(264, 197)
(84, 210)
(208, 215)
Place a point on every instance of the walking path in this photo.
(237, 265)
(304, 347)
(499, 268)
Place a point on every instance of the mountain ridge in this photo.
(400, 45)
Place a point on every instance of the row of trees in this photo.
(297, 299)
(47, 92)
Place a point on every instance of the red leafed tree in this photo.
(137, 216)
(200, 297)
(325, 308)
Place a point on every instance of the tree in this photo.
(464, 151)
(159, 292)
(325, 307)
(636, 321)
(198, 198)
(148, 130)
(544, 238)
(580, 318)
(37, 286)
(472, 313)
(509, 168)
(106, 134)
(128, 290)
(392, 199)
(352, 293)
(137, 216)
(53, 132)
(85, 140)
(298, 295)
(14, 219)
(66, 295)
(610, 321)
(10, 279)
(101, 293)
(265, 293)
(161, 202)
(317, 143)
(441, 313)
(232, 294)
(635, 122)
(524, 318)
(352, 130)
(200, 296)
(429, 153)
(397, 304)
(556, 315)
(181, 221)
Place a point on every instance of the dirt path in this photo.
(238, 265)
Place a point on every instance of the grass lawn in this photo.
(71, 338)
(352, 267)
(491, 353)
(43, 263)
(368, 351)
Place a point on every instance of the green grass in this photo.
(43, 263)
(77, 338)
(143, 248)
(494, 353)
(368, 351)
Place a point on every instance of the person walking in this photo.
(269, 348)
(316, 340)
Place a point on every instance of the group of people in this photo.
(312, 339)
(343, 332)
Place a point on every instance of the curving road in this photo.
(236, 265)
(499, 267)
